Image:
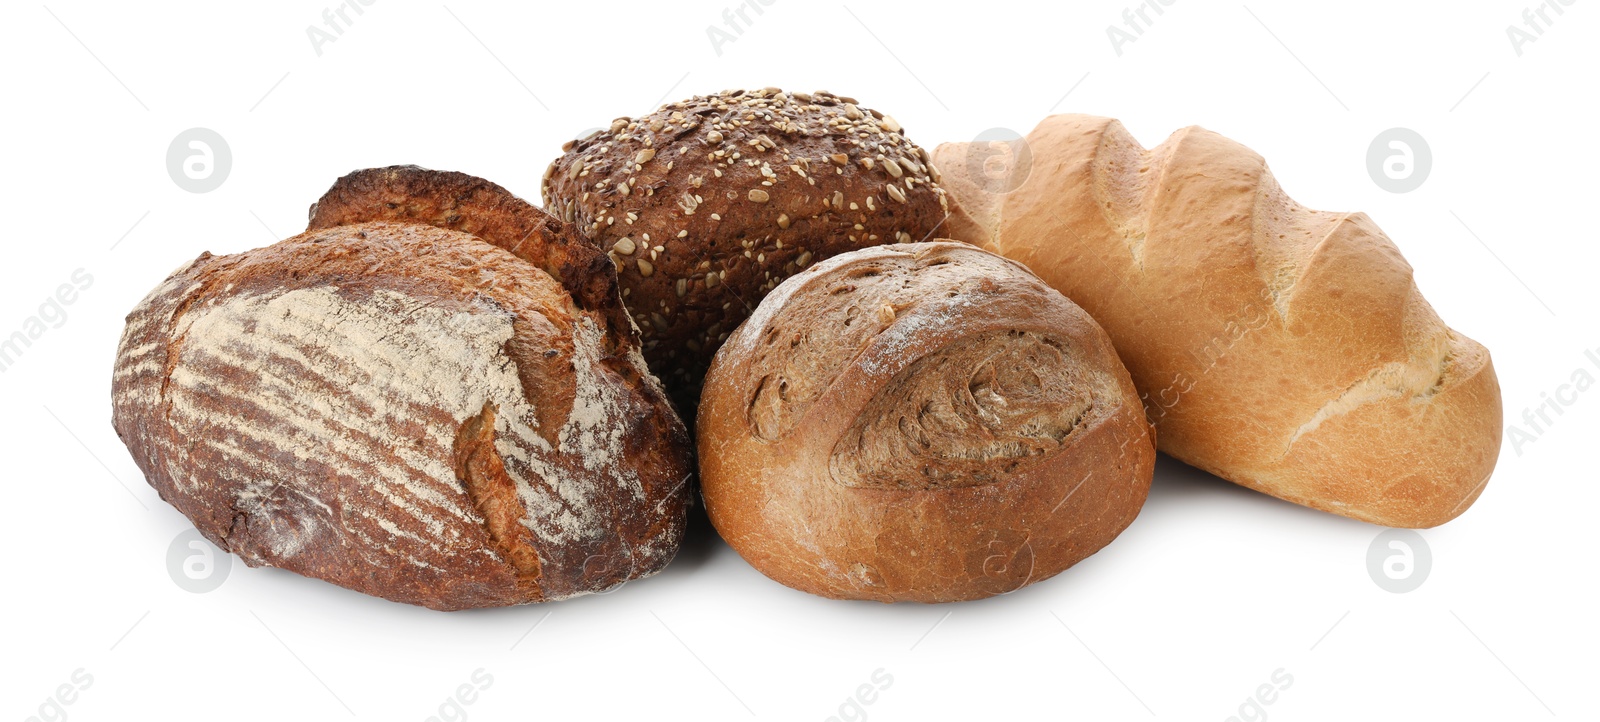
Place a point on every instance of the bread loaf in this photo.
(405, 411)
(707, 204)
(919, 422)
(461, 202)
(1281, 348)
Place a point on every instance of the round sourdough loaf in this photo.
(707, 204)
(406, 411)
(920, 422)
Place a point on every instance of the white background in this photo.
(1199, 602)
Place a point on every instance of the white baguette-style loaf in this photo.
(1282, 348)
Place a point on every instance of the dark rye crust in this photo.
(707, 204)
(466, 203)
(429, 440)
(920, 422)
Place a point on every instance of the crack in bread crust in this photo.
(986, 406)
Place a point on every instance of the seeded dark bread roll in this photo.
(920, 422)
(709, 203)
(405, 411)
(1282, 348)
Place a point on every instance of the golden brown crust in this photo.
(920, 422)
(1282, 348)
(709, 203)
(975, 191)
(406, 411)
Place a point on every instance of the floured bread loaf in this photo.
(1279, 347)
(920, 422)
(406, 411)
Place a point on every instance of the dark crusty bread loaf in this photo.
(921, 422)
(1282, 348)
(461, 202)
(709, 203)
(406, 411)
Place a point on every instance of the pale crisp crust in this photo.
(920, 422)
(1282, 348)
(406, 411)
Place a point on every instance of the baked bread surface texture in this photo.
(1282, 348)
(920, 422)
(466, 203)
(707, 204)
(406, 411)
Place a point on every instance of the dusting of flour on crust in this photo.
(371, 388)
